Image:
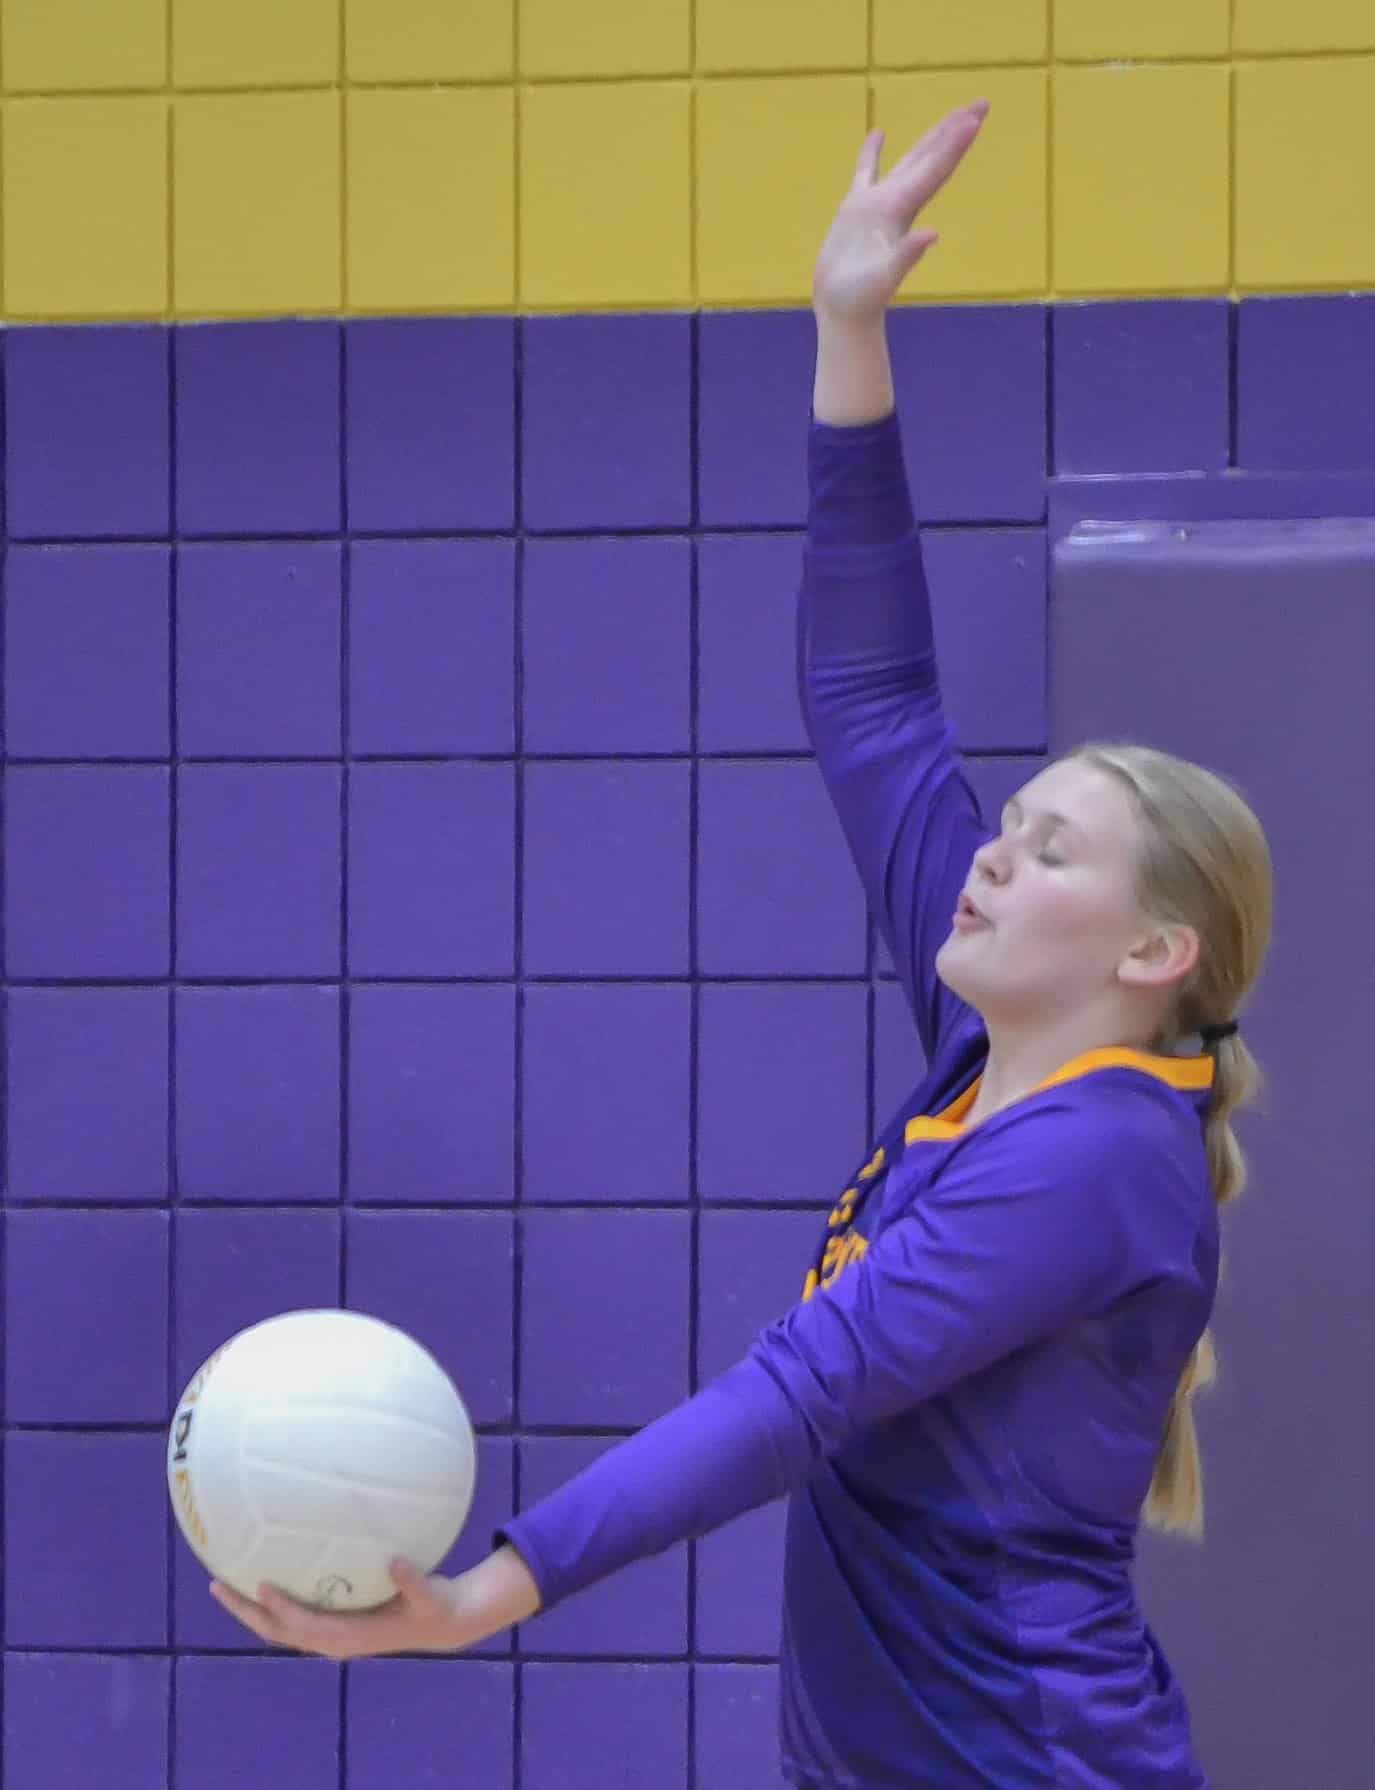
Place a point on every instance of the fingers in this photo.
(956, 124)
(913, 247)
(413, 1585)
(866, 168)
(926, 167)
(256, 1617)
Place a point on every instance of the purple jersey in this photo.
(966, 1403)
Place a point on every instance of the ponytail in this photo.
(1175, 1500)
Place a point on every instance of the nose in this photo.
(990, 860)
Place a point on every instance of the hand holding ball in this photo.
(314, 1448)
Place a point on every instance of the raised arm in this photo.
(866, 660)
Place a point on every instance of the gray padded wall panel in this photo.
(1249, 646)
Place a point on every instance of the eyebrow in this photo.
(1049, 814)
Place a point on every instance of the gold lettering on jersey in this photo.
(844, 1210)
(840, 1253)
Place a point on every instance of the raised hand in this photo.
(871, 246)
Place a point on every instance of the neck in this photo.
(1020, 1058)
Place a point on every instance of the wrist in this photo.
(496, 1594)
(862, 329)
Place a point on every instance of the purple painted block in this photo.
(971, 387)
(777, 891)
(87, 431)
(448, 1280)
(432, 1095)
(86, 652)
(432, 856)
(1305, 386)
(431, 423)
(606, 646)
(989, 585)
(258, 870)
(257, 428)
(747, 666)
(740, 1586)
(780, 1091)
(606, 1120)
(993, 780)
(271, 1722)
(236, 1268)
(258, 1094)
(494, 1504)
(590, 459)
(605, 1727)
(197, 1620)
(258, 643)
(899, 1063)
(87, 857)
(430, 1724)
(88, 1090)
(640, 1611)
(754, 399)
(85, 1540)
(606, 869)
(432, 653)
(78, 1719)
(1141, 385)
(86, 1317)
(737, 1727)
(590, 1280)
(751, 1266)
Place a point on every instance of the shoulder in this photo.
(1104, 1109)
(1120, 1137)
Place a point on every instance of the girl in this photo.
(989, 1372)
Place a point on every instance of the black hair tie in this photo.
(1214, 1034)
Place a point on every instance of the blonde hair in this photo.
(1204, 862)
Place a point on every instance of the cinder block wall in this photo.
(417, 894)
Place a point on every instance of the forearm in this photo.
(735, 1445)
(854, 379)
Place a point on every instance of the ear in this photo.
(1160, 958)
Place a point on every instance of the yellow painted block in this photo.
(1264, 26)
(429, 40)
(254, 43)
(85, 200)
(1305, 147)
(781, 34)
(928, 34)
(605, 195)
(992, 215)
(1089, 30)
(774, 159)
(256, 204)
(431, 199)
(57, 46)
(1139, 179)
(614, 37)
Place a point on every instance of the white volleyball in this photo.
(312, 1449)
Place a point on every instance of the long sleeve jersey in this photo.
(965, 1405)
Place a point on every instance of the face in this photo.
(1057, 889)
